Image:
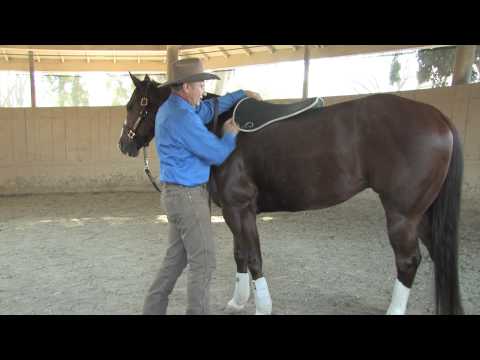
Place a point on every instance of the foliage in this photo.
(121, 91)
(14, 90)
(69, 90)
(437, 65)
(395, 73)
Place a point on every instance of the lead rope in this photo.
(215, 124)
(147, 169)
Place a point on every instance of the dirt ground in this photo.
(98, 253)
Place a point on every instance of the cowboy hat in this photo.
(188, 70)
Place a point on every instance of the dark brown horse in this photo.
(407, 152)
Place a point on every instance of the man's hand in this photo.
(231, 127)
(253, 95)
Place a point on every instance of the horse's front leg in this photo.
(247, 254)
(263, 301)
(241, 293)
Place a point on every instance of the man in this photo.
(186, 150)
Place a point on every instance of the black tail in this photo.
(444, 217)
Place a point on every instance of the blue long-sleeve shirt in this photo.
(185, 147)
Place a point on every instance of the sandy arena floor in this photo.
(98, 253)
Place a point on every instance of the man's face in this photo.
(195, 91)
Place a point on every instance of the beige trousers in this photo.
(190, 242)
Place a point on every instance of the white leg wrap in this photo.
(398, 306)
(263, 301)
(241, 292)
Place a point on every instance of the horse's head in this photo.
(139, 127)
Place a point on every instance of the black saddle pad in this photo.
(252, 115)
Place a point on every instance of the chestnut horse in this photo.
(408, 152)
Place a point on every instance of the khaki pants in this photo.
(190, 241)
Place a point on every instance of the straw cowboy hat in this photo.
(188, 70)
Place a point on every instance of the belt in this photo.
(204, 186)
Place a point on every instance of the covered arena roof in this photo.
(154, 57)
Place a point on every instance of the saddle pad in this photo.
(252, 115)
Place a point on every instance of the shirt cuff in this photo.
(230, 138)
(238, 95)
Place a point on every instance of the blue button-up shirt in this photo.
(185, 147)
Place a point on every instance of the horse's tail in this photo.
(444, 219)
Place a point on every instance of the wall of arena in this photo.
(68, 149)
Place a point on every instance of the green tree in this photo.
(121, 91)
(395, 76)
(15, 89)
(437, 65)
(69, 90)
(79, 96)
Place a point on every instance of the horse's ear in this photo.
(135, 80)
(147, 78)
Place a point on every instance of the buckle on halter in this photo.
(144, 101)
(131, 134)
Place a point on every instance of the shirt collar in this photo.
(181, 102)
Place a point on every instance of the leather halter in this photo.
(141, 116)
(131, 134)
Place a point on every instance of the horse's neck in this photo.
(160, 96)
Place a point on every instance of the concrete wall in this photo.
(75, 149)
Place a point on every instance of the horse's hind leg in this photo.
(241, 292)
(403, 235)
(425, 233)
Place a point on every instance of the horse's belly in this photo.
(308, 198)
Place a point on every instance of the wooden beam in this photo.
(464, 59)
(247, 50)
(192, 47)
(158, 62)
(81, 65)
(227, 55)
(295, 47)
(204, 54)
(271, 48)
(172, 56)
(83, 48)
(32, 77)
(306, 60)
(5, 55)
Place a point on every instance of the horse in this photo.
(407, 152)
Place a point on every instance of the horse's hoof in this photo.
(395, 312)
(260, 313)
(232, 306)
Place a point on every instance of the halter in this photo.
(131, 134)
(141, 116)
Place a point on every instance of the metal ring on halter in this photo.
(131, 134)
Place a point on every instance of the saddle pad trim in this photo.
(274, 120)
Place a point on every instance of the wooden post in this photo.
(172, 56)
(32, 78)
(464, 59)
(305, 75)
